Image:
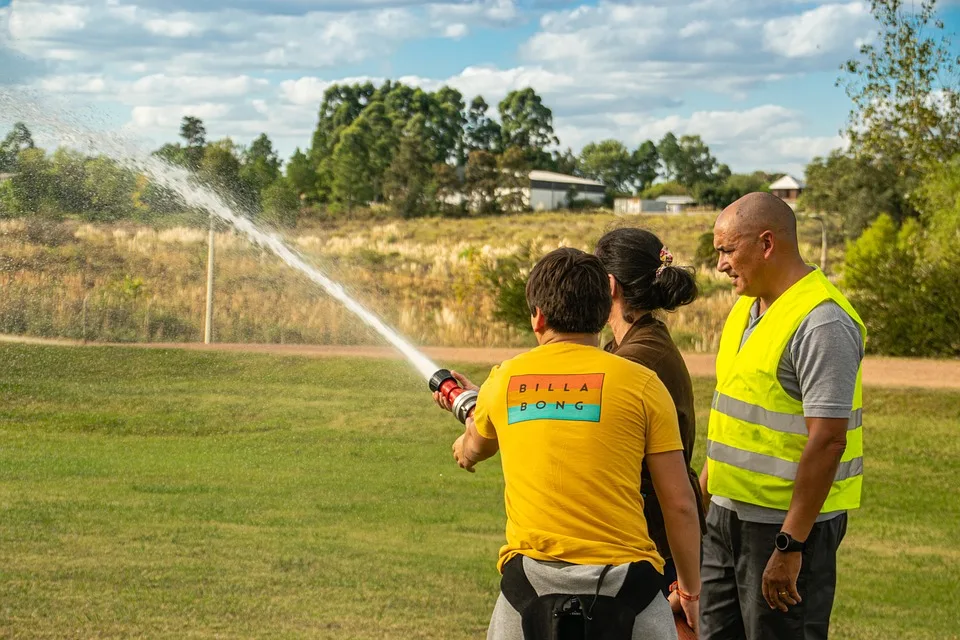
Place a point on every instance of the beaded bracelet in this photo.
(683, 594)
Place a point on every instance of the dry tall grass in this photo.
(124, 283)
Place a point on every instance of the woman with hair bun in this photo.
(643, 280)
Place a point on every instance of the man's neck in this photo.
(793, 274)
(552, 337)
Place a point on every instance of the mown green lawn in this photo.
(169, 494)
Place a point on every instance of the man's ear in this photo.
(538, 321)
(768, 241)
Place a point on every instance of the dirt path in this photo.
(879, 372)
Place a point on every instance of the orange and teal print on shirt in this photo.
(555, 397)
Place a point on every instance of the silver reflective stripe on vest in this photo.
(771, 466)
(782, 422)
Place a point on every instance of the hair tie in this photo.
(666, 259)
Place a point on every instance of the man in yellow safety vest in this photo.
(785, 439)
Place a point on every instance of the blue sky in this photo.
(754, 78)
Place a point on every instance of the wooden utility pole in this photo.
(208, 327)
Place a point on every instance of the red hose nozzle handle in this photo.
(461, 400)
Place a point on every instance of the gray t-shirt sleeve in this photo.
(826, 352)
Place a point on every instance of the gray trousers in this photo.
(653, 623)
(735, 554)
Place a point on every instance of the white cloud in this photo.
(820, 31)
(161, 87)
(30, 20)
(494, 84)
(111, 35)
(695, 28)
(802, 149)
(147, 117)
(81, 83)
(304, 91)
(173, 28)
(456, 30)
(477, 12)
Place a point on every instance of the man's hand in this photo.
(464, 382)
(780, 580)
(462, 460)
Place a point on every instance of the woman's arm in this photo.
(679, 505)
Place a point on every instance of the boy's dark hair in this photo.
(632, 256)
(572, 291)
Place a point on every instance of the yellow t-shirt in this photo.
(574, 423)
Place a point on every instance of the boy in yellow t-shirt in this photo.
(574, 425)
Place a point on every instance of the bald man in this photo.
(784, 445)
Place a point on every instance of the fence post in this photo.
(83, 319)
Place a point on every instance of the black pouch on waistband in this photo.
(589, 616)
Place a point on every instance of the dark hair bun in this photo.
(676, 286)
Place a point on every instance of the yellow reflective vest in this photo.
(757, 431)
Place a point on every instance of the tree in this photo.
(445, 124)
(160, 200)
(68, 181)
(381, 138)
(664, 189)
(611, 163)
(351, 184)
(32, 183)
(697, 165)
(481, 178)
(408, 183)
(905, 92)
(195, 134)
(341, 106)
(261, 165)
(480, 131)
(513, 172)
(8, 201)
(565, 162)
(447, 186)
(527, 123)
(854, 188)
(646, 162)
(280, 203)
(110, 188)
(670, 156)
(301, 174)
(722, 191)
(16, 141)
(174, 154)
(689, 161)
(220, 167)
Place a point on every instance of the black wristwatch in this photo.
(786, 544)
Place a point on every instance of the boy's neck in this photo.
(552, 337)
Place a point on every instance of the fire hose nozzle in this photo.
(462, 400)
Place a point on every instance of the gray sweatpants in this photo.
(653, 623)
(735, 554)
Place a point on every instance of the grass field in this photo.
(168, 494)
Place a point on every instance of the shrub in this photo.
(907, 293)
(506, 279)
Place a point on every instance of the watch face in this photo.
(782, 542)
